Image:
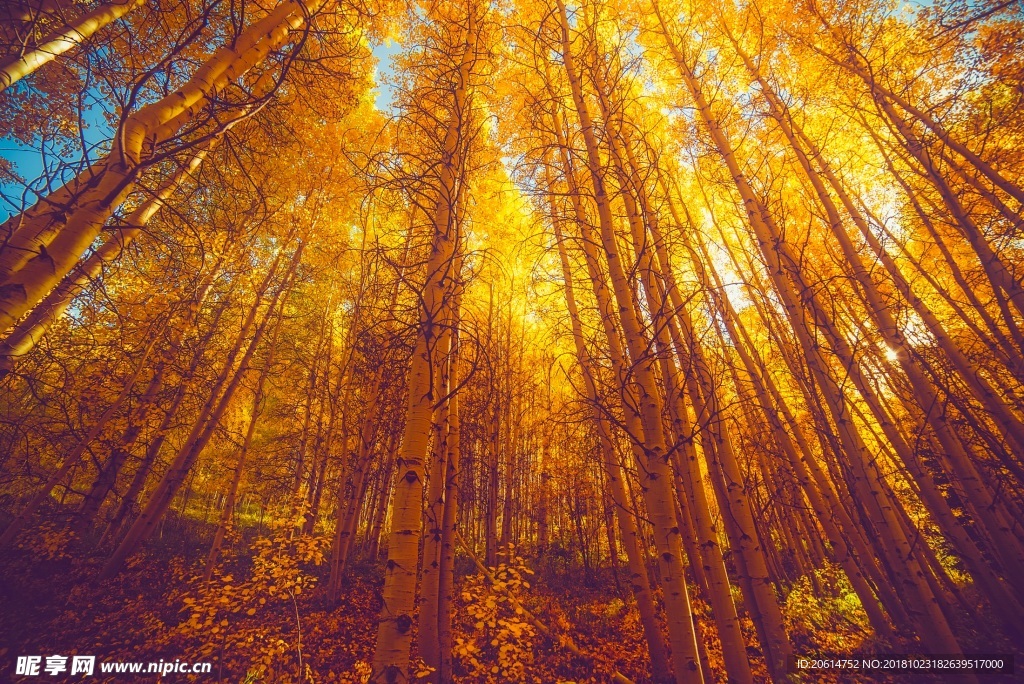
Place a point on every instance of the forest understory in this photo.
(545, 341)
(50, 602)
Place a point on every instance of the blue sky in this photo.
(385, 54)
(30, 161)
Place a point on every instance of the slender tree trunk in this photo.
(107, 477)
(932, 625)
(387, 486)
(394, 635)
(658, 475)
(221, 394)
(446, 566)
(228, 512)
(58, 42)
(433, 519)
(636, 559)
(24, 336)
(45, 242)
(73, 458)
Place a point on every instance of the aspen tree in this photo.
(1009, 424)
(225, 386)
(833, 446)
(73, 458)
(632, 419)
(646, 247)
(636, 558)
(446, 563)
(23, 337)
(435, 587)
(925, 392)
(47, 240)
(934, 628)
(640, 216)
(72, 34)
(107, 477)
(429, 641)
(317, 391)
(1009, 347)
(658, 474)
(494, 452)
(999, 274)
(129, 500)
(857, 64)
(384, 501)
(228, 512)
(831, 514)
(348, 502)
(394, 637)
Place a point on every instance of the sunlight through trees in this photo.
(638, 340)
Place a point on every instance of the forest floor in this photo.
(272, 623)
